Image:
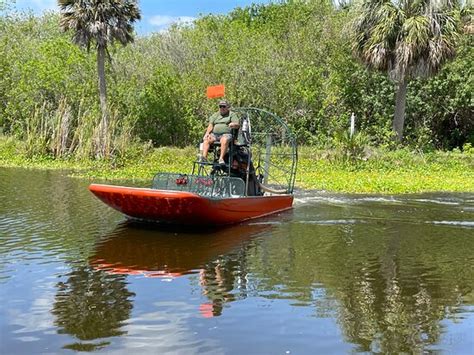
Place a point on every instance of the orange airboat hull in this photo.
(182, 207)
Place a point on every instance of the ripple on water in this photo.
(311, 197)
(266, 223)
(440, 202)
(165, 329)
(332, 221)
(467, 224)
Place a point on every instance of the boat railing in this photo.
(208, 186)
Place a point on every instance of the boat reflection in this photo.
(218, 256)
(134, 249)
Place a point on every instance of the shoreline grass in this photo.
(384, 172)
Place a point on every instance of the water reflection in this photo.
(91, 304)
(217, 256)
(338, 274)
(390, 285)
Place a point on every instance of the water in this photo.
(337, 274)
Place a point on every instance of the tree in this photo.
(101, 22)
(406, 38)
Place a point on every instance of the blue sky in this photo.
(157, 15)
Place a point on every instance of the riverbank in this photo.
(386, 172)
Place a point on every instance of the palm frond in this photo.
(99, 21)
(406, 37)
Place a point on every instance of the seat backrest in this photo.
(243, 133)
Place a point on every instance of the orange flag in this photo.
(216, 91)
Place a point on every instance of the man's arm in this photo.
(208, 131)
(234, 121)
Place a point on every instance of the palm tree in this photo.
(407, 39)
(100, 22)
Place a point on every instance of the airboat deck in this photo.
(257, 180)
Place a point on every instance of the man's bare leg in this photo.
(224, 146)
(206, 145)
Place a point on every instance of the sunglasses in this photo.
(222, 106)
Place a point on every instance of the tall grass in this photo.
(65, 132)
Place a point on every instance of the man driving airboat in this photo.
(219, 129)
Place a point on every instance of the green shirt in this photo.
(221, 123)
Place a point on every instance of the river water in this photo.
(336, 274)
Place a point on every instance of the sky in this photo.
(157, 15)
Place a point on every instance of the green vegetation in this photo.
(406, 39)
(100, 23)
(389, 172)
(375, 171)
(293, 58)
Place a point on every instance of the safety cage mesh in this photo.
(209, 186)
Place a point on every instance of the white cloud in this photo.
(161, 21)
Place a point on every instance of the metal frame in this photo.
(262, 125)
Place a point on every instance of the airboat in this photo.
(257, 180)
